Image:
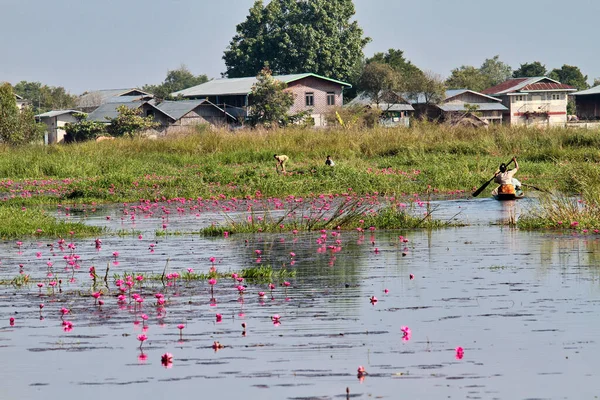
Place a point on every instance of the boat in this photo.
(519, 194)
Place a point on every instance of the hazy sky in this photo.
(92, 44)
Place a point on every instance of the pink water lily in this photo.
(460, 353)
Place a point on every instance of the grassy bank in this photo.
(237, 164)
(19, 223)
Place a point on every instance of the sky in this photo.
(85, 45)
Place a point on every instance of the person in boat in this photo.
(281, 161)
(505, 178)
(329, 162)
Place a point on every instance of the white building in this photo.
(55, 122)
(539, 101)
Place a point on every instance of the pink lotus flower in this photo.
(373, 300)
(212, 281)
(167, 360)
(67, 326)
(261, 294)
(142, 338)
(386, 291)
(286, 284)
(219, 317)
(406, 333)
(460, 353)
(11, 321)
(276, 320)
(361, 370)
(411, 276)
(292, 254)
(212, 259)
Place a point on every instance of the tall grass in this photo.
(240, 163)
(18, 223)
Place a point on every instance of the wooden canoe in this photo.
(519, 194)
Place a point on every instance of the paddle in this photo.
(535, 188)
(482, 188)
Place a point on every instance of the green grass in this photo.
(239, 164)
(347, 216)
(18, 223)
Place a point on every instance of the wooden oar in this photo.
(482, 188)
(535, 188)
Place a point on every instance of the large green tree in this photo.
(45, 98)
(17, 126)
(176, 80)
(570, 75)
(468, 77)
(295, 36)
(377, 80)
(496, 71)
(270, 101)
(530, 70)
(396, 60)
(9, 113)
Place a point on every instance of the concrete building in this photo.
(313, 93)
(21, 102)
(55, 122)
(539, 101)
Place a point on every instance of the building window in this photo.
(310, 99)
(330, 98)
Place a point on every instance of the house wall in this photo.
(203, 114)
(319, 88)
(525, 109)
(55, 127)
(471, 98)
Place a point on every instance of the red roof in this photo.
(504, 86)
(546, 86)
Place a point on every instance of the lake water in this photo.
(522, 305)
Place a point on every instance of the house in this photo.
(55, 122)
(173, 116)
(313, 93)
(533, 101)
(587, 103)
(89, 101)
(459, 104)
(21, 102)
(395, 109)
(185, 113)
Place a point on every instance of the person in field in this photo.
(505, 178)
(329, 162)
(281, 160)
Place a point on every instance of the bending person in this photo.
(281, 160)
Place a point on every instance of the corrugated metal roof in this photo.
(525, 84)
(98, 97)
(594, 90)
(109, 110)
(457, 92)
(450, 107)
(241, 86)
(126, 99)
(546, 86)
(364, 100)
(177, 109)
(56, 113)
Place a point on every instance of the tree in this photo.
(83, 129)
(596, 82)
(176, 80)
(396, 60)
(428, 86)
(377, 80)
(130, 122)
(495, 70)
(530, 70)
(297, 36)
(468, 77)
(29, 130)
(270, 101)
(570, 75)
(45, 98)
(9, 114)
